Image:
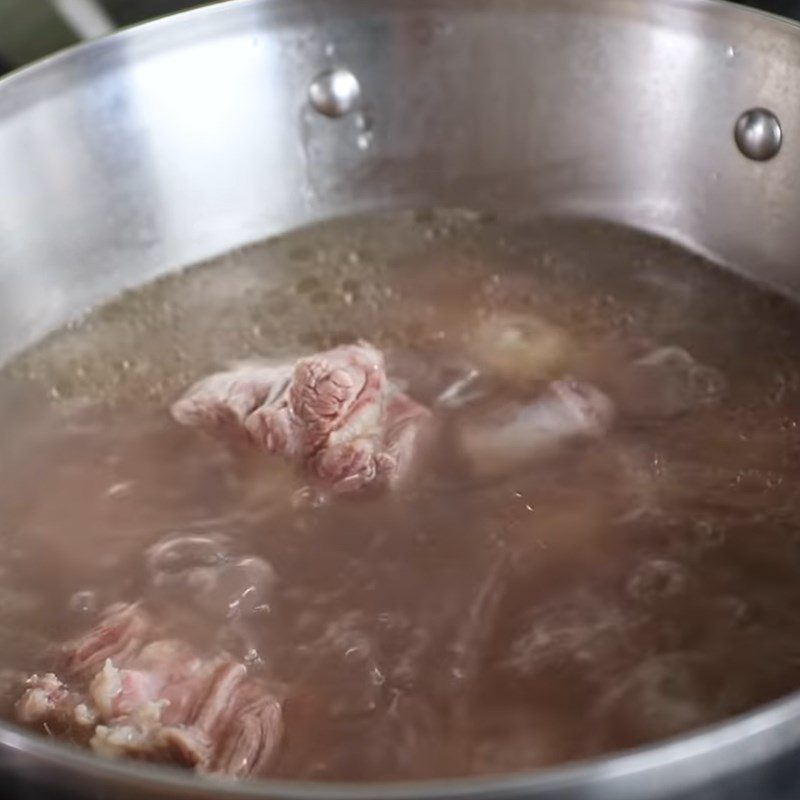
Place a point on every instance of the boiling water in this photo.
(642, 586)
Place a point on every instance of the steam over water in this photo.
(618, 593)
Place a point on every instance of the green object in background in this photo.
(31, 29)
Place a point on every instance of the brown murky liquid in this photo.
(640, 586)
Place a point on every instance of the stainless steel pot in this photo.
(182, 139)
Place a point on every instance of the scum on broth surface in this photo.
(648, 585)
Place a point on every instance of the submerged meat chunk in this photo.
(138, 695)
(339, 416)
(117, 637)
(435, 377)
(334, 413)
(668, 382)
(516, 434)
(654, 383)
(199, 571)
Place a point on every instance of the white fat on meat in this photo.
(45, 696)
(519, 434)
(158, 701)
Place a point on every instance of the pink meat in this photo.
(252, 733)
(224, 402)
(141, 696)
(334, 413)
(117, 637)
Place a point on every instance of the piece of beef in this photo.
(652, 383)
(334, 413)
(47, 698)
(128, 691)
(118, 636)
(338, 415)
(223, 402)
(501, 441)
(200, 571)
(668, 382)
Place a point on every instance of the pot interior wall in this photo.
(180, 140)
(171, 144)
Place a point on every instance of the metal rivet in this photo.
(335, 92)
(758, 134)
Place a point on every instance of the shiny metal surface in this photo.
(335, 92)
(175, 142)
(758, 134)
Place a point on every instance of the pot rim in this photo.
(725, 748)
(681, 760)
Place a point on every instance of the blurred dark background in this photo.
(31, 29)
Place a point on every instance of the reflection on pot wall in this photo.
(151, 156)
(29, 31)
